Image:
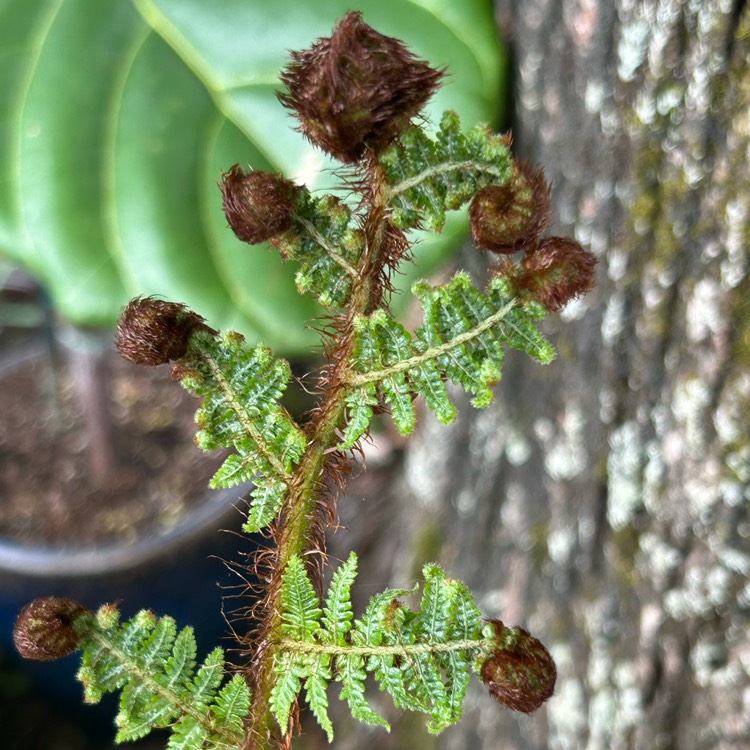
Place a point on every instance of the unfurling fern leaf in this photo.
(241, 409)
(155, 668)
(356, 95)
(462, 338)
(422, 657)
(426, 177)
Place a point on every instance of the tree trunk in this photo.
(602, 502)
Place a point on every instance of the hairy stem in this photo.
(299, 513)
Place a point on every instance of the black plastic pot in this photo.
(179, 573)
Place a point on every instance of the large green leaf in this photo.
(117, 118)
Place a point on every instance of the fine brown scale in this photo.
(310, 507)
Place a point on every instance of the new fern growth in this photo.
(355, 95)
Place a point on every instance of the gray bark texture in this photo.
(602, 501)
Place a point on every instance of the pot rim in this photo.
(41, 560)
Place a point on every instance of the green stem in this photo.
(300, 506)
(318, 237)
(303, 647)
(437, 169)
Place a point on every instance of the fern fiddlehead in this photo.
(423, 658)
(355, 94)
(427, 176)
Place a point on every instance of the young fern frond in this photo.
(428, 176)
(241, 409)
(461, 339)
(355, 94)
(423, 658)
(155, 667)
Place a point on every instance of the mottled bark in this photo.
(602, 501)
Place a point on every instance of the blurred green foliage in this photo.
(117, 118)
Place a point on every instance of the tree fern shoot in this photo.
(357, 95)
